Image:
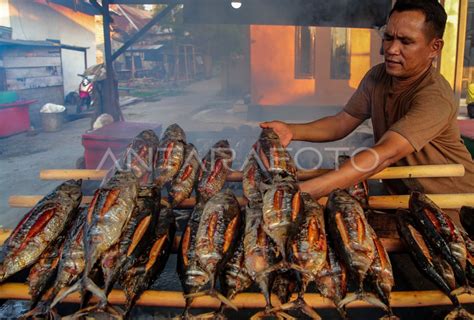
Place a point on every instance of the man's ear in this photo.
(436, 47)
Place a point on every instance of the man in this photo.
(411, 105)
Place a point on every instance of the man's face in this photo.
(408, 48)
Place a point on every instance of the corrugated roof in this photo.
(7, 42)
(44, 44)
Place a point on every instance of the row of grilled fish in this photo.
(122, 237)
(442, 250)
(280, 241)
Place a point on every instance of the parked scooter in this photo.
(85, 94)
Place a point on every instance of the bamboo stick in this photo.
(445, 201)
(174, 299)
(425, 171)
(390, 244)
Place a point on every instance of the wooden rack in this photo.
(256, 300)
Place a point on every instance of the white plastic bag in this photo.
(52, 108)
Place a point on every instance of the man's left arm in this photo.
(390, 148)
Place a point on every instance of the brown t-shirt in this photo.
(425, 114)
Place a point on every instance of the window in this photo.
(304, 52)
(340, 54)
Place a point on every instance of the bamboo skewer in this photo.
(174, 299)
(445, 201)
(425, 171)
(390, 244)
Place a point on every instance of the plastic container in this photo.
(52, 121)
(105, 145)
(8, 97)
(14, 117)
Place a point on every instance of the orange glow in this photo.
(273, 68)
(272, 58)
(360, 55)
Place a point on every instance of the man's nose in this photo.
(392, 47)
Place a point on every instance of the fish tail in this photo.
(90, 286)
(223, 299)
(65, 292)
(459, 313)
(368, 297)
(461, 290)
(299, 303)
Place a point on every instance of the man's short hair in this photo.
(435, 15)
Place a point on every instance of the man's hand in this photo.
(282, 129)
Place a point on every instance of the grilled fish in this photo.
(134, 238)
(170, 154)
(216, 166)
(380, 275)
(234, 278)
(331, 280)
(71, 264)
(351, 235)
(309, 246)
(253, 177)
(182, 186)
(190, 275)
(216, 236)
(420, 252)
(150, 263)
(43, 272)
(282, 212)
(40, 227)
(467, 219)
(108, 214)
(260, 253)
(442, 234)
(277, 157)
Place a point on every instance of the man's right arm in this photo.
(322, 130)
(326, 129)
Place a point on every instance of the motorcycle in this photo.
(85, 94)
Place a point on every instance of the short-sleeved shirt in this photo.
(425, 113)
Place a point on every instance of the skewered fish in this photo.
(331, 280)
(309, 249)
(189, 273)
(43, 272)
(216, 235)
(138, 157)
(134, 238)
(380, 276)
(107, 216)
(71, 264)
(182, 186)
(151, 262)
(277, 158)
(40, 227)
(420, 252)
(441, 233)
(170, 154)
(216, 166)
(353, 240)
(260, 254)
(282, 212)
(253, 177)
(234, 278)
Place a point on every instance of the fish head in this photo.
(174, 132)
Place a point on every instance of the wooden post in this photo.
(110, 95)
